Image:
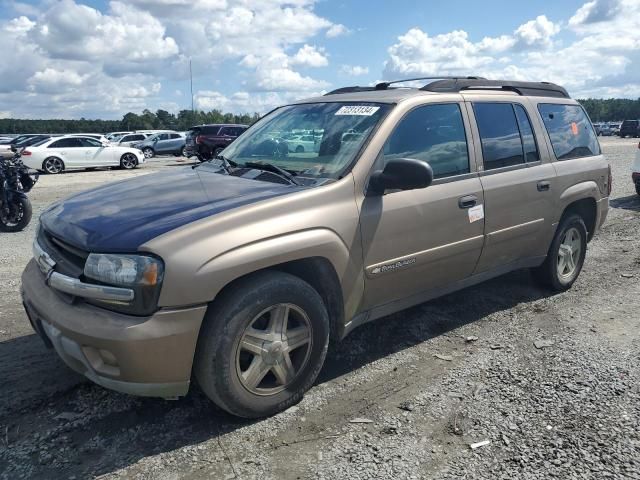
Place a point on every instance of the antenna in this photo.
(191, 82)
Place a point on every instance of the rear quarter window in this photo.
(210, 130)
(570, 131)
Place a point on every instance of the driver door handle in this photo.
(544, 186)
(467, 201)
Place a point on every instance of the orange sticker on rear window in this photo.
(574, 128)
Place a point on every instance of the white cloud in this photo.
(354, 70)
(51, 80)
(311, 56)
(537, 33)
(242, 101)
(78, 32)
(602, 59)
(337, 30)
(113, 59)
(596, 11)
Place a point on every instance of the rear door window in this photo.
(210, 130)
(435, 134)
(89, 142)
(570, 131)
(499, 135)
(66, 143)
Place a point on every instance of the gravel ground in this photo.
(385, 406)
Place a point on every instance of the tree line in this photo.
(147, 120)
(600, 110)
(611, 109)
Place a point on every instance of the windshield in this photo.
(314, 140)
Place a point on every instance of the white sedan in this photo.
(73, 152)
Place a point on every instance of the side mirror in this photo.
(401, 174)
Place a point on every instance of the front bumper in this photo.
(147, 356)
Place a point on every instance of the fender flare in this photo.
(269, 252)
(579, 191)
(207, 280)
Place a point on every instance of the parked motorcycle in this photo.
(15, 182)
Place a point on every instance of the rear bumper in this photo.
(148, 356)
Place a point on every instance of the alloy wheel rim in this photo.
(273, 349)
(148, 153)
(569, 253)
(54, 165)
(128, 161)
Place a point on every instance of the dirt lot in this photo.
(570, 410)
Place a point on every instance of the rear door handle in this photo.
(544, 186)
(467, 201)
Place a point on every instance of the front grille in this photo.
(69, 259)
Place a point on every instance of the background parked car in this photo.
(98, 136)
(73, 152)
(207, 141)
(112, 136)
(19, 142)
(166, 143)
(304, 143)
(131, 139)
(630, 128)
(604, 130)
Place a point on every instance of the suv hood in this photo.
(121, 216)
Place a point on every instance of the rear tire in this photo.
(566, 255)
(24, 217)
(637, 189)
(271, 374)
(53, 165)
(217, 151)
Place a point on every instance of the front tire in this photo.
(128, 161)
(638, 188)
(148, 152)
(566, 255)
(262, 344)
(53, 165)
(18, 217)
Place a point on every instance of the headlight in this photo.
(143, 274)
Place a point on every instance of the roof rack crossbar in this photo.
(385, 85)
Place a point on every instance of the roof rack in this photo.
(536, 89)
(445, 84)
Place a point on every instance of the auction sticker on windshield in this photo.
(366, 110)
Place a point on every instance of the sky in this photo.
(101, 59)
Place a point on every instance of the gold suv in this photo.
(240, 271)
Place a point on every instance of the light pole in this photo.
(191, 83)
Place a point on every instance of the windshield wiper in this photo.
(270, 167)
(226, 163)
